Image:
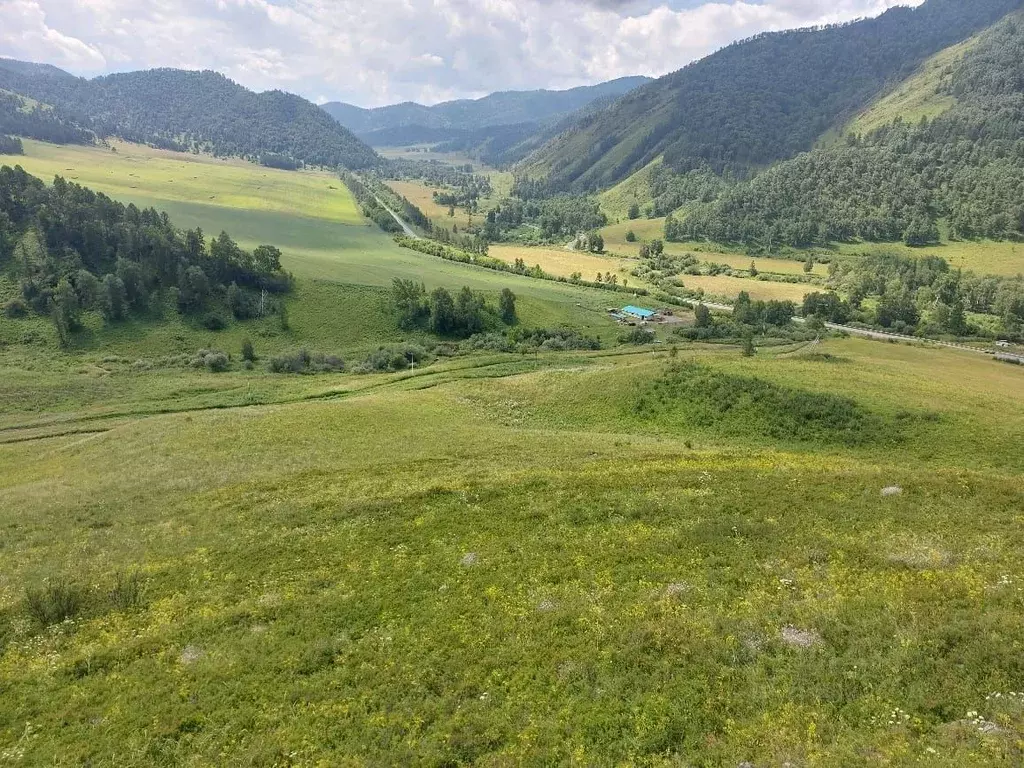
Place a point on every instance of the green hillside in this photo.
(184, 110)
(343, 266)
(925, 94)
(759, 101)
(963, 170)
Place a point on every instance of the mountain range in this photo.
(497, 109)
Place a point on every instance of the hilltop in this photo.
(186, 110)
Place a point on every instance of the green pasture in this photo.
(335, 253)
(502, 561)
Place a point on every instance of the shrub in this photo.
(637, 336)
(15, 308)
(694, 395)
(387, 359)
(214, 322)
(126, 594)
(304, 362)
(248, 353)
(56, 602)
(216, 362)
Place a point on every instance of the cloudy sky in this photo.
(375, 52)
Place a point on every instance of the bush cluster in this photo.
(305, 362)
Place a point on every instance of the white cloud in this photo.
(393, 50)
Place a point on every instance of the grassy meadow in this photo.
(507, 561)
(332, 250)
(668, 555)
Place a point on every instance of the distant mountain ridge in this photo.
(181, 109)
(500, 108)
(759, 101)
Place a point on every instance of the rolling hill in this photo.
(178, 109)
(757, 102)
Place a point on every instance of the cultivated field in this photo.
(981, 256)
(731, 287)
(563, 262)
(422, 197)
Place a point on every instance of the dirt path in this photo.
(409, 231)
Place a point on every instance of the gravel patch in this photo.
(677, 588)
(800, 638)
(892, 490)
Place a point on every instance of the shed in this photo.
(638, 312)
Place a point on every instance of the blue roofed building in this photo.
(639, 313)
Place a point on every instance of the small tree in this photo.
(634, 210)
(631, 236)
(88, 288)
(507, 306)
(703, 315)
(748, 349)
(248, 353)
(809, 265)
(65, 300)
(443, 317)
(113, 300)
(753, 269)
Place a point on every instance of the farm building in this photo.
(639, 313)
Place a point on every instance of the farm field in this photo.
(981, 256)
(731, 287)
(563, 262)
(422, 197)
(511, 560)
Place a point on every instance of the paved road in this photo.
(409, 231)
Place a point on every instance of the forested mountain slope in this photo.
(179, 109)
(759, 101)
(965, 168)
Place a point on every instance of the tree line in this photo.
(74, 249)
(463, 315)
